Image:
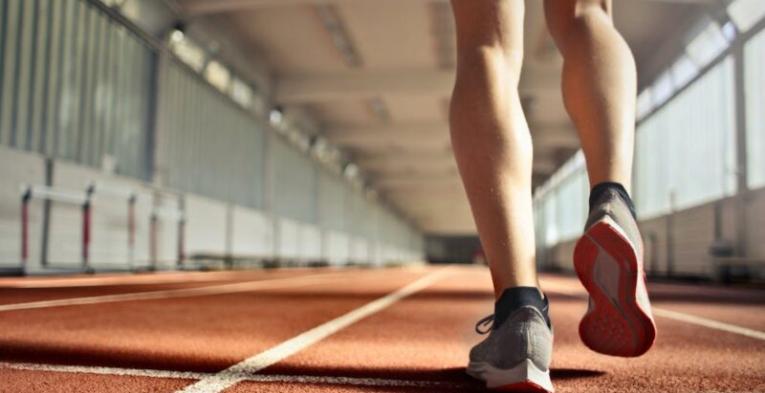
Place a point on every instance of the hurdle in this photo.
(131, 197)
(173, 214)
(76, 198)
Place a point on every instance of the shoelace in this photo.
(485, 325)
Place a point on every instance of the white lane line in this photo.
(709, 323)
(89, 282)
(237, 373)
(153, 278)
(111, 371)
(175, 293)
(675, 315)
(283, 378)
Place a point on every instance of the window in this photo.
(746, 13)
(683, 71)
(662, 89)
(707, 45)
(686, 150)
(754, 74)
(644, 103)
(561, 203)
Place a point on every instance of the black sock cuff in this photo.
(604, 187)
(514, 298)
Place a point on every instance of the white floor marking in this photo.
(248, 367)
(89, 282)
(709, 323)
(169, 374)
(675, 315)
(176, 293)
(154, 278)
(111, 371)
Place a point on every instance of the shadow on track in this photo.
(419, 380)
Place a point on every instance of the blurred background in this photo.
(187, 134)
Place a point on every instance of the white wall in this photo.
(336, 247)
(310, 242)
(252, 233)
(288, 243)
(206, 227)
(167, 229)
(211, 227)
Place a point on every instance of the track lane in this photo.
(254, 364)
(426, 339)
(15, 290)
(18, 381)
(196, 334)
(422, 339)
(418, 344)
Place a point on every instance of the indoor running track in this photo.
(353, 330)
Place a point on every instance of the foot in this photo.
(515, 357)
(609, 261)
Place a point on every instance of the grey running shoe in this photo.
(609, 261)
(516, 354)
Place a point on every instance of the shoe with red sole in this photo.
(608, 259)
(515, 357)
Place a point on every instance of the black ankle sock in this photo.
(514, 298)
(602, 188)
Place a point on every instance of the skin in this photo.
(490, 136)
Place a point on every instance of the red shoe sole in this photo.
(607, 264)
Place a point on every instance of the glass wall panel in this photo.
(685, 152)
(754, 63)
(64, 67)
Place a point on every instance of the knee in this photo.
(489, 34)
(565, 18)
(496, 61)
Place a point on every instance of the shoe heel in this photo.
(524, 377)
(615, 324)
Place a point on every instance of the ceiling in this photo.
(376, 77)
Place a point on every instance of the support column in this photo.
(742, 187)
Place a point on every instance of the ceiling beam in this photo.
(363, 84)
(426, 168)
(444, 158)
(382, 173)
(436, 133)
(395, 129)
(429, 182)
(208, 7)
(404, 135)
(555, 137)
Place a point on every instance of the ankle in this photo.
(600, 189)
(514, 298)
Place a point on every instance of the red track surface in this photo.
(418, 344)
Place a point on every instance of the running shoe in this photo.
(515, 356)
(609, 261)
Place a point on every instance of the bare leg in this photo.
(599, 89)
(490, 136)
(599, 85)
